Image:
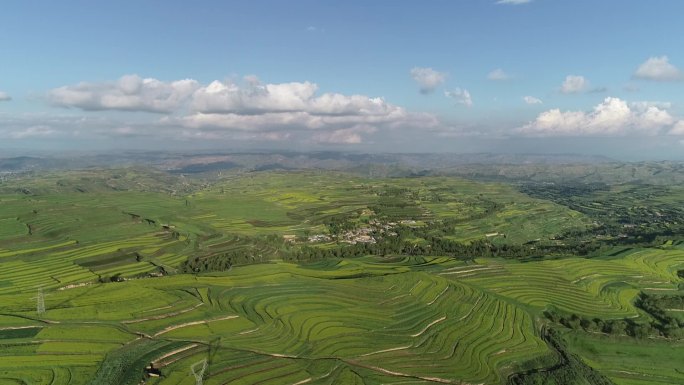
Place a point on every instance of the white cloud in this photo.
(646, 104)
(248, 110)
(498, 74)
(427, 78)
(300, 120)
(532, 100)
(32, 131)
(50, 126)
(129, 93)
(344, 135)
(611, 117)
(294, 108)
(4, 97)
(660, 69)
(461, 96)
(678, 128)
(256, 98)
(514, 2)
(574, 84)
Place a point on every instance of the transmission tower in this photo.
(40, 302)
(198, 369)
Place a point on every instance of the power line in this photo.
(198, 369)
(40, 302)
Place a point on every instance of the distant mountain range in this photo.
(209, 161)
(483, 166)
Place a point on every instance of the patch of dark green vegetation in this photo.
(569, 368)
(28, 332)
(224, 255)
(614, 327)
(125, 366)
(657, 306)
(660, 324)
(120, 257)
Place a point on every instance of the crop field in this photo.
(105, 258)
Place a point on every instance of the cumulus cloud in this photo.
(290, 105)
(293, 108)
(514, 2)
(574, 84)
(247, 110)
(428, 79)
(4, 97)
(498, 74)
(461, 96)
(344, 135)
(532, 100)
(300, 120)
(256, 98)
(129, 93)
(611, 117)
(659, 69)
(646, 104)
(678, 128)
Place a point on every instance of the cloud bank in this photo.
(678, 128)
(250, 109)
(129, 93)
(4, 97)
(612, 117)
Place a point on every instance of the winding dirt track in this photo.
(174, 327)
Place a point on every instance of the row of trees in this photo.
(661, 324)
(615, 327)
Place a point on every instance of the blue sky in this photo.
(472, 75)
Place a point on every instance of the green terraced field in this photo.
(392, 319)
(420, 319)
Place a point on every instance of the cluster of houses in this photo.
(366, 234)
